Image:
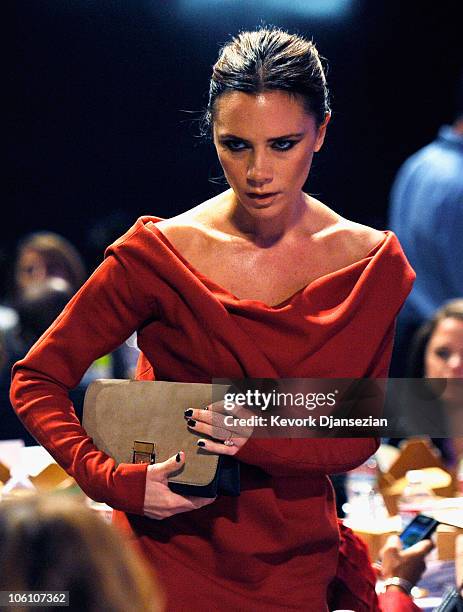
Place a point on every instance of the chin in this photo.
(259, 208)
(453, 393)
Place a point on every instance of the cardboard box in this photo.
(52, 478)
(31, 469)
(375, 533)
(4, 474)
(415, 454)
(446, 539)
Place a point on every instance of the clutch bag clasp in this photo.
(143, 452)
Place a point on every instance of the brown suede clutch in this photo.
(143, 422)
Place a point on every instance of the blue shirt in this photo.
(426, 213)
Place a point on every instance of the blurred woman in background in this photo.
(437, 352)
(54, 543)
(44, 254)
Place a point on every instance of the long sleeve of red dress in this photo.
(274, 547)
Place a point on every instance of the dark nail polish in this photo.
(177, 458)
(191, 422)
(201, 443)
(189, 412)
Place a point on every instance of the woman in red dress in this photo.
(262, 280)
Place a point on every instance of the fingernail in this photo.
(201, 443)
(188, 412)
(191, 422)
(178, 458)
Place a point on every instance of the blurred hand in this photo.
(408, 564)
(160, 502)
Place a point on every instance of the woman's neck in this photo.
(265, 230)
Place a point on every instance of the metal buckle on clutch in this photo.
(143, 452)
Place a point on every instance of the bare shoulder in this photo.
(359, 238)
(353, 239)
(193, 229)
(183, 232)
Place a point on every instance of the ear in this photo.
(321, 133)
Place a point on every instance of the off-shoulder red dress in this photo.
(276, 546)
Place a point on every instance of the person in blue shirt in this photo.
(426, 213)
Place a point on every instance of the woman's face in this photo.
(444, 357)
(30, 269)
(265, 144)
(444, 351)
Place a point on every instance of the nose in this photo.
(455, 364)
(260, 171)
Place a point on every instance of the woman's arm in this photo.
(328, 455)
(277, 456)
(105, 311)
(298, 456)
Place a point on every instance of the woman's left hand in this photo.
(229, 430)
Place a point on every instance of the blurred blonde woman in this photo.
(53, 543)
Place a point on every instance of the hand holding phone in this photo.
(408, 564)
(420, 528)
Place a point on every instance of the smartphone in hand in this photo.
(420, 528)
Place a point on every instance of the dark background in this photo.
(103, 97)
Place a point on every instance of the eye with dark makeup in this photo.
(236, 145)
(284, 145)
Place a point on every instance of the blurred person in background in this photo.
(48, 271)
(37, 307)
(426, 213)
(54, 543)
(437, 352)
(44, 254)
(39, 256)
(354, 587)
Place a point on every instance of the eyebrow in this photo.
(283, 137)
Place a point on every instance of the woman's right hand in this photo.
(408, 564)
(160, 502)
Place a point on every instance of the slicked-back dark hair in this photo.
(270, 59)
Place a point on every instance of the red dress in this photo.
(275, 547)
